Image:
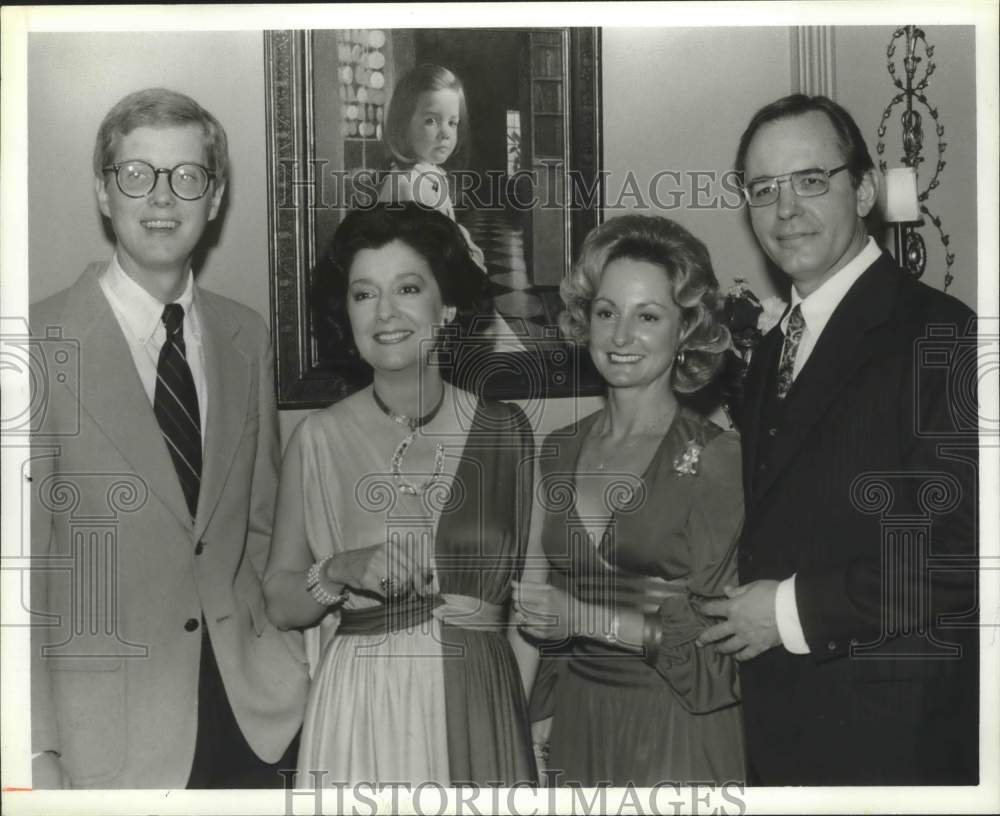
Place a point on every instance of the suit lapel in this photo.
(112, 395)
(765, 357)
(227, 372)
(843, 348)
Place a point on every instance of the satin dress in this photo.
(624, 718)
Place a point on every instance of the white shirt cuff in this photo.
(786, 613)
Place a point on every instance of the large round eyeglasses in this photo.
(805, 183)
(138, 178)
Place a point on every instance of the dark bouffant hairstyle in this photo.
(432, 235)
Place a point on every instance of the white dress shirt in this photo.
(817, 309)
(140, 316)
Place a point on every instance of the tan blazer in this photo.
(121, 576)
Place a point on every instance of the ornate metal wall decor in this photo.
(912, 254)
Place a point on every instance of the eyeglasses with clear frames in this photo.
(137, 178)
(814, 181)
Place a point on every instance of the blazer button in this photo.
(831, 646)
(772, 431)
(191, 624)
(199, 548)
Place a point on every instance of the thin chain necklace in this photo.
(658, 429)
(412, 423)
(619, 449)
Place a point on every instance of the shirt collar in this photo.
(819, 305)
(143, 312)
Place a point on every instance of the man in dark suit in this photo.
(154, 477)
(855, 618)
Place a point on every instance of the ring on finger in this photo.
(390, 587)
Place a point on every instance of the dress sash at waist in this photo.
(612, 667)
(464, 611)
(604, 664)
(469, 612)
(645, 593)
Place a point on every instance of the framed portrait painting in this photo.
(526, 189)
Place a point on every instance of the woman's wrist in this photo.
(578, 622)
(621, 628)
(593, 621)
(321, 589)
(334, 575)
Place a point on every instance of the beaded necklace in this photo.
(412, 423)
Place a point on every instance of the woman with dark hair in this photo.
(398, 531)
(639, 508)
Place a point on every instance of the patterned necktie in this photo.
(175, 403)
(793, 336)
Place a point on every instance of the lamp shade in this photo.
(901, 195)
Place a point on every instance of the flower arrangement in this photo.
(748, 319)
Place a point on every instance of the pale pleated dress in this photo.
(410, 696)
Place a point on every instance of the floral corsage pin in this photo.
(687, 463)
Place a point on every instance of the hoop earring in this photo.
(680, 357)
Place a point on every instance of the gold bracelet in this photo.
(652, 634)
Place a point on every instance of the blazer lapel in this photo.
(228, 375)
(112, 395)
(842, 349)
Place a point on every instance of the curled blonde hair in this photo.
(687, 265)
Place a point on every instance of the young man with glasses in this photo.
(153, 662)
(859, 469)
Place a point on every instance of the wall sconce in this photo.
(902, 209)
(904, 204)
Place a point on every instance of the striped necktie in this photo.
(175, 403)
(793, 336)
